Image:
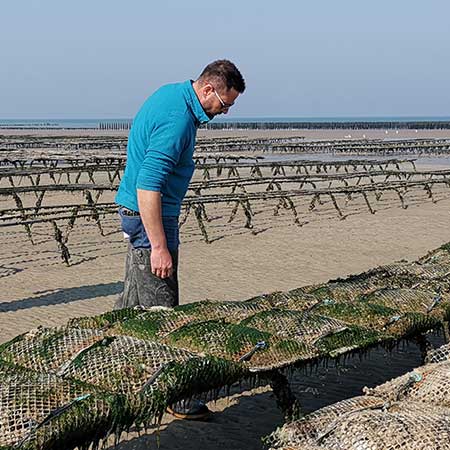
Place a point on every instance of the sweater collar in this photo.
(194, 103)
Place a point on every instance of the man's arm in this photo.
(150, 209)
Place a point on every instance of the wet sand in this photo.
(307, 134)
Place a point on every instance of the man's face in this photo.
(217, 101)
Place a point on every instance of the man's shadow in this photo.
(61, 296)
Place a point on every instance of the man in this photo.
(158, 171)
(157, 174)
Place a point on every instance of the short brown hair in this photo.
(224, 72)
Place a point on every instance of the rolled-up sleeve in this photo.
(166, 143)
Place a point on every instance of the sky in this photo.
(321, 58)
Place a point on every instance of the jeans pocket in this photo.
(131, 225)
(134, 228)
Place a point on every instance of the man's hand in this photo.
(161, 262)
(150, 209)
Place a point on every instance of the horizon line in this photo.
(298, 118)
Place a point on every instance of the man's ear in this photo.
(207, 89)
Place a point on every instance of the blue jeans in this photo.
(134, 228)
(141, 286)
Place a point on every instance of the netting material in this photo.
(256, 349)
(150, 358)
(424, 303)
(48, 348)
(308, 429)
(401, 426)
(432, 276)
(427, 384)
(105, 320)
(438, 354)
(286, 324)
(229, 311)
(410, 412)
(439, 256)
(129, 365)
(41, 410)
(146, 375)
(295, 299)
(410, 428)
(152, 324)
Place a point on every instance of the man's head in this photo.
(218, 87)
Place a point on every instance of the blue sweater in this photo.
(160, 147)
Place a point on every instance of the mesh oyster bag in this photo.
(48, 348)
(428, 274)
(428, 384)
(230, 311)
(392, 276)
(152, 375)
(367, 315)
(374, 316)
(400, 426)
(423, 302)
(286, 324)
(295, 299)
(152, 324)
(410, 412)
(352, 287)
(44, 411)
(309, 428)
(259, 350)
(121, 363)
(148, 323)
(341, 291)
(440, 255)
(107, 319)
(439, 354)
(350, 339)
(326, 335)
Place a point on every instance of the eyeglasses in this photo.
(224, 104)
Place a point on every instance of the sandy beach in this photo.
(307, 134)
(39, 290)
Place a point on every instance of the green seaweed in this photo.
(106, 319)
(194, 307)
(351, 338)
(356, 313)
(218, 335)
(80, 359)
(290, 346)
(81, 413)
(240, 336)
(152, 325)
(140, 328)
